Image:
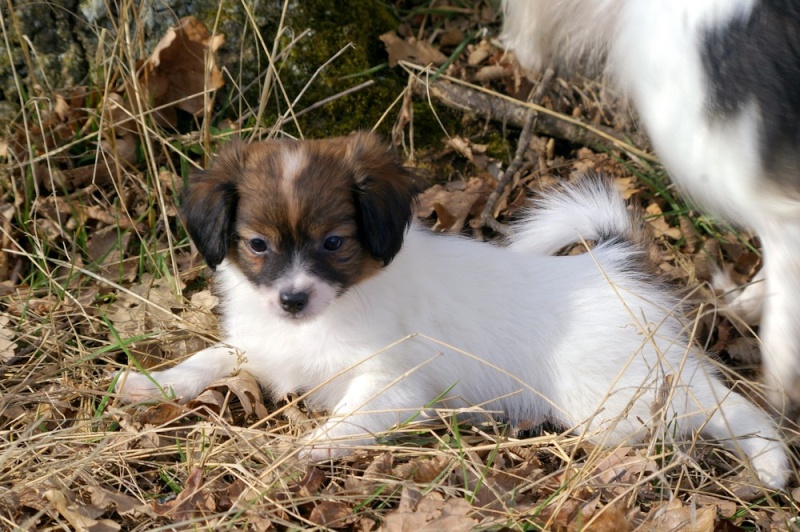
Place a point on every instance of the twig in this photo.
(329, 99)
(487, 216)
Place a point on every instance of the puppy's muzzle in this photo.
(294, 302)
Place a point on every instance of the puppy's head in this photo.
(303, 220)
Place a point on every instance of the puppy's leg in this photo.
(740, 426)
(184, 381)
(743, 302)
(780, 325)
(694, 406)
(371, 406)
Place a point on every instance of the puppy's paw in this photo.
(333, 440)
(137, 387)
(743, 302)
(323, 453)
(772, 466)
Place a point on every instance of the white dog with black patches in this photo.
(320, 278)
(715, 83)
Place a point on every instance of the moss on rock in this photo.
(334, 24)
(54, 58)
(66, 37)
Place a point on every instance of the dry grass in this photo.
(96, 272)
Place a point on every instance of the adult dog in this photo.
(715, 83)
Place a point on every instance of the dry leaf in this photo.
(422, 470)
(8, 348)
(192, 501)
(627, 186)
(586, 162)
(181, 69)
(161, 413)
(411, 50)
(380, 468)
(153, 306)
(660, 225)
(623, 466)
(674, 515)
(475, 153)
(305, 489)
(204, 299)
(478, 54)
(82, 518)
(725, 507)
(151, 310)
(428, 513)
(106, 247)
(495, 490)
(245, 387)
(214, 400)
(123, 504)
(451, 37)
(333, 514)
(690, 234)
(171, 182)
(609, 518)
(490, 73)
(453, 204)
(198, 315)
(310, 483)
(745, 350)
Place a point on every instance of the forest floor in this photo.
(97, 275)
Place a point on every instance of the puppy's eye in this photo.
(332, 243)
(257, 245)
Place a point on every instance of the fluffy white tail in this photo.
(592, 209)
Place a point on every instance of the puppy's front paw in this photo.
(334, 439)
(137, 387)
(323, 453)
(744, 302)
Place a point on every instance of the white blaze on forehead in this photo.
(293, 162)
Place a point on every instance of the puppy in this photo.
(325, 291)
(715, 85)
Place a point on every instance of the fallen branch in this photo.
(467, 97)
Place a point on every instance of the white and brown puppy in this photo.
(715, 83)
(320, 279)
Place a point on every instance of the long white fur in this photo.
(652, 52)
(585, 341)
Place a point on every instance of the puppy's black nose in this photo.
(294, 302)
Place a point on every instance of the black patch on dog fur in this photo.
(757, 59)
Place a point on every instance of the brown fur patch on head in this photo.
(338, 208)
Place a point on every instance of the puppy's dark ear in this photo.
(384, 193)
(209, 204)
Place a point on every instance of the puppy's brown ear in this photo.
(384, 193)
(209, 204)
